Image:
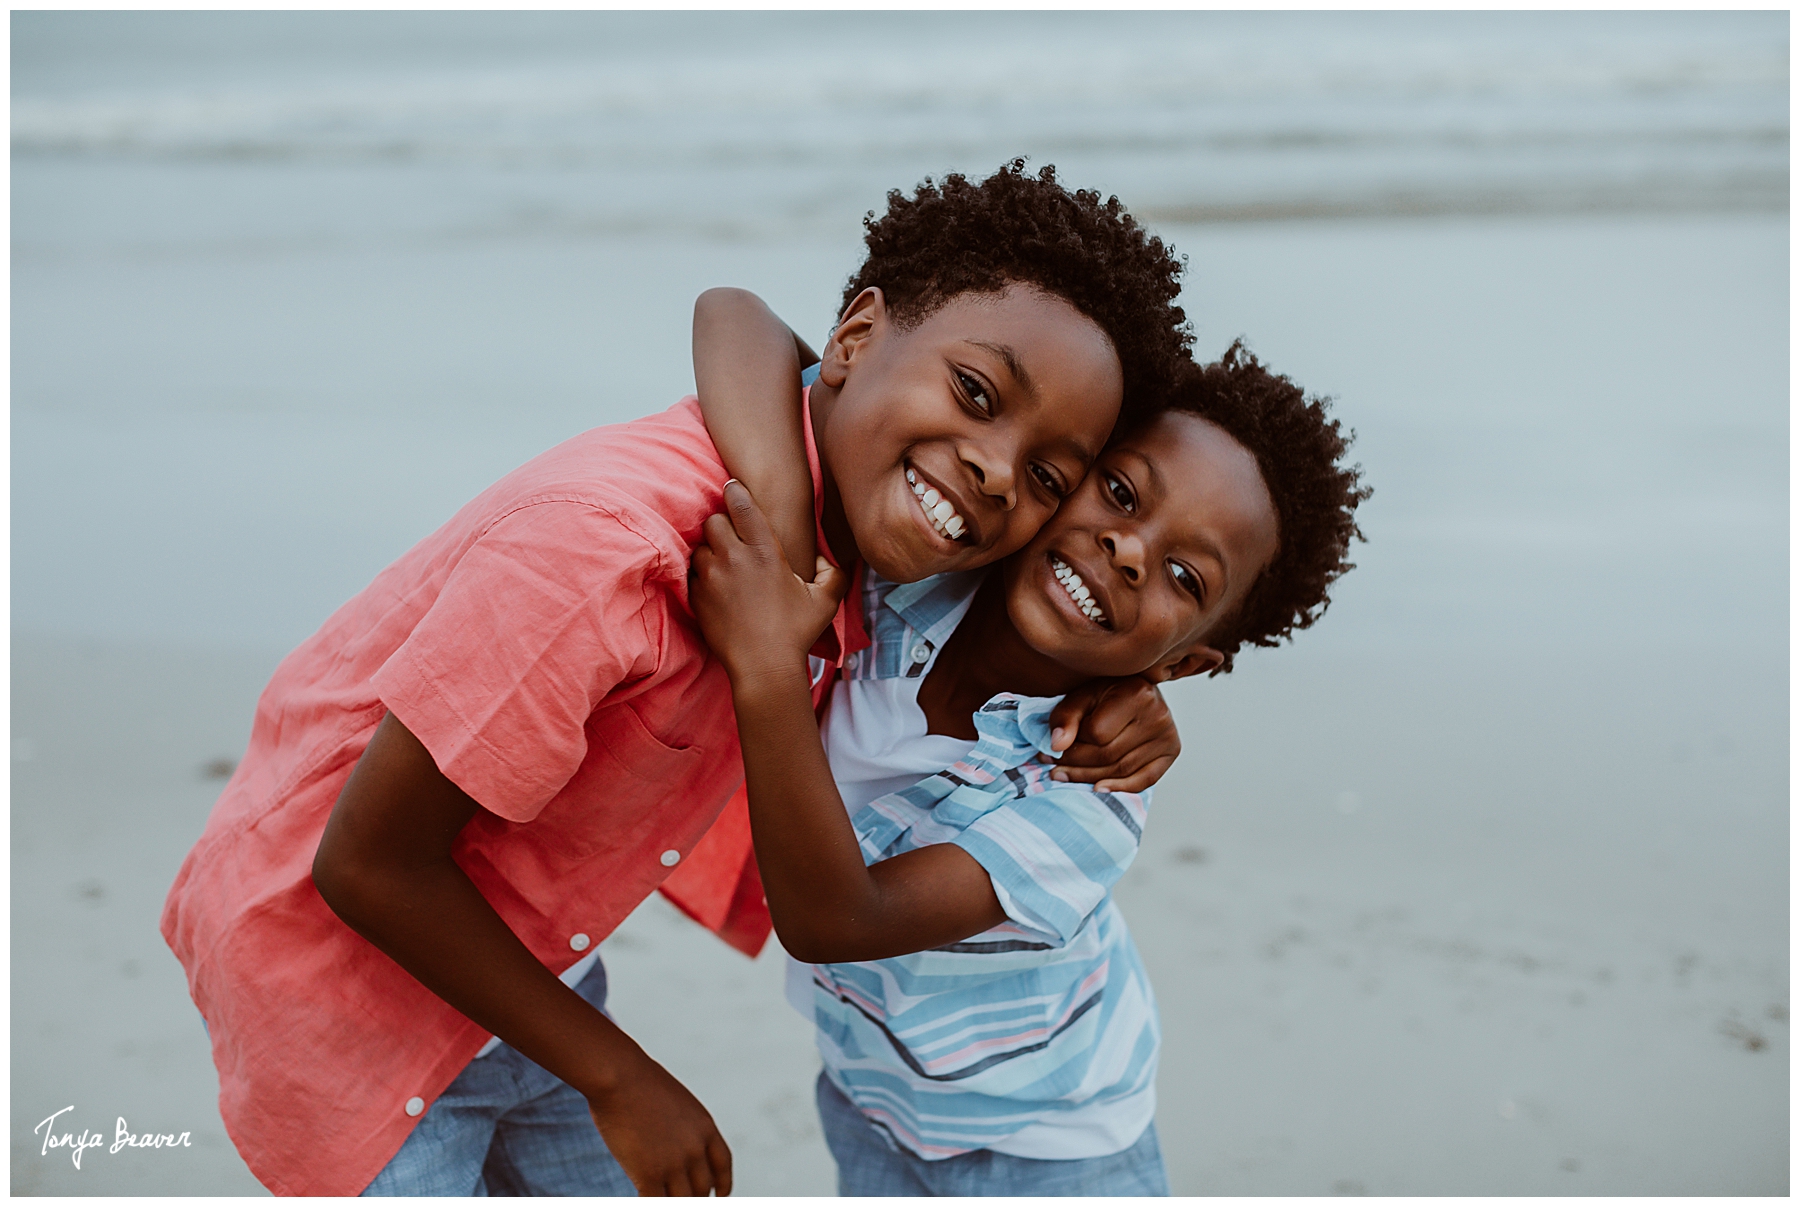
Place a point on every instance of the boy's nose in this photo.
(997, 480)
(1127, 554)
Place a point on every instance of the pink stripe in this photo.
(961, 1055)
(911, 1137)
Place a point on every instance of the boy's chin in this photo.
(899, 568)
(901, 555)
(897, 563)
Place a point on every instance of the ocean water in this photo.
(1481, 887)
(301, 281)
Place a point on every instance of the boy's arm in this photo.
(747, 367)
(826, 905)
(384, 867)
(1125, 736)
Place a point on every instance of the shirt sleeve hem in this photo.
(411, 693)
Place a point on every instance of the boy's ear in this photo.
(1195, 661)
(864, 316)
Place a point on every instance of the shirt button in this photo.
(671, 858)
(415, 1107)
(921, 652)
(579, 942)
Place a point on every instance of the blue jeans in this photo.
(870, 1164)
(505, 1126)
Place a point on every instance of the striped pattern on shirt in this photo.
(959, 1048)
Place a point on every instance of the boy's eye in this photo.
(1186, 579)
(1121, 493)
(1048, 480)
(977, 393)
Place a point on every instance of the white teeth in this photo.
(1078, 592)
(939, 510)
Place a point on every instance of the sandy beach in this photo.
(1481, 887)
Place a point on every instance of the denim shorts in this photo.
(506, 1126)
(871, 1164)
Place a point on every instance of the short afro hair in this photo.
(1300, 451)
(953, 237)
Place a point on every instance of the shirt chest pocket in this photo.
(632, 791)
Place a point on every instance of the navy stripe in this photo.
(980, 1066)
(996, 946)
(1122, 813)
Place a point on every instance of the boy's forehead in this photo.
(1016, 322)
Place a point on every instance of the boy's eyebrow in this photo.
(1150, 472)
(1011, 359)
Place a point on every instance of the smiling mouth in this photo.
(937, 509)
(1078, 592)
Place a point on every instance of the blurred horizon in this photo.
(1190, 117)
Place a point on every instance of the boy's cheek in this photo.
(1018, 531)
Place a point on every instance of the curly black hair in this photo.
(953, 237)
(1300, 451)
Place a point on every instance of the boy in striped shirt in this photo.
(984, 1018)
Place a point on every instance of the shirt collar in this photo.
(933, 607)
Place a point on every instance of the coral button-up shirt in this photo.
(540, 645)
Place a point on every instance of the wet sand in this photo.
(1414, 960)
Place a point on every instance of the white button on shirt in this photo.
(921, 652)
(579, 942)
(671, 858)
(415, 1107)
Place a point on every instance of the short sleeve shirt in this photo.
(541, 646)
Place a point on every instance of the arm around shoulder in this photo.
(747, 365)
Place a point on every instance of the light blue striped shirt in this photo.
(1047, 1018)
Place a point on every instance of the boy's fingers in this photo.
(1131, 705)
(830, 579)
(1135, 770)
(752, 526)
(1138, 781)
(1115, 710)
(696, 1179)
(1065, 718)
(719, 533)
(1083, 752)
(1132, 761)
(720, 1156)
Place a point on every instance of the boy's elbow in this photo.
(817, 945)
(722, 299)
(805, 943)
(342, 883)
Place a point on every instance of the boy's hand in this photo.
(1116, 734)
(757, 615)
(665, 1140)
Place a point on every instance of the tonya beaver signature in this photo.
(78, 1143)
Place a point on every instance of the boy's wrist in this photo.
(758, 680)
(612, 1063)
